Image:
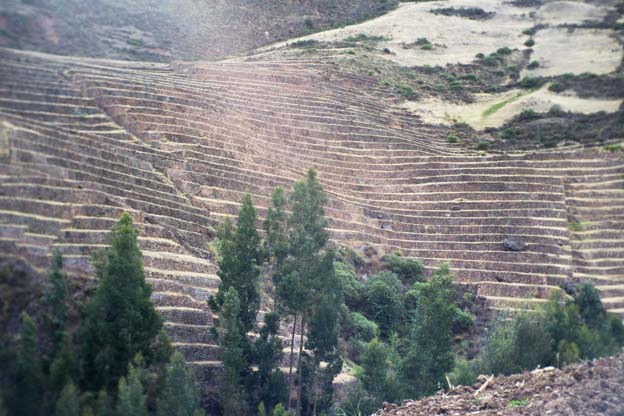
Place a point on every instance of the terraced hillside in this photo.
(176, 145)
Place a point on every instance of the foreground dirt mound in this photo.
(593, 388)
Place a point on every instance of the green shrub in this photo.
(409, 270)
(568, 352)
(520, 344)
(463, 374)
(362, 37)
(483, 145)
(531, 82)
(424, 43)
(462, 320)
(453, 138)
(529, 42)
(513, 69)
(587, 300)
(526, 115)
(504, 51)
(533, 65)
(350, 285)
(613, 147)
(616, 328)
(383, 304)
(361, 328)
(456, 86)
(470, 77)
(556, 87)
(404, 90)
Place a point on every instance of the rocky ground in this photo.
(592, 388)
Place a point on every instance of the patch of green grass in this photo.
(514, 404)
(494, 108)
(577, 227)
(613, 147)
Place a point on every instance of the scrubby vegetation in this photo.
(564, 330)
(474, 13)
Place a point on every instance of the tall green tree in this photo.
(68, 403)
(29, 380)
(429, 353)
(276, 239)
(275, 227)
(269, 383)
(131, 394)
(375, 366)
(120, 321)
(232, 339)
(587, 299)
(240, 263)
(180, 395)
(307, 283)
(57, 299)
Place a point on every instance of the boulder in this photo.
(514, 245)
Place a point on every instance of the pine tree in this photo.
(270, 384)
(120, 320)
(103, 406)
(276, 241)
(239, 264)
(130, 395)
(64, 369)
(232, 338)
(429, 355)
(374, 362)
(29, 378)
(306, 280)
(57, 299)
(68, 403)
(180, 395)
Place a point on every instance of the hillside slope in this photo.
(157, 30)
(177, 145)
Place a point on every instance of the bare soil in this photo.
(592, 388)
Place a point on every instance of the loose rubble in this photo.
(591, 388)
